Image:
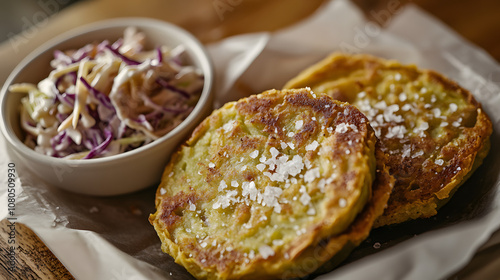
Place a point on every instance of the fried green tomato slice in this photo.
(271, 186)
(433, 131)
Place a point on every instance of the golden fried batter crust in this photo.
(272, 186)
(434, 132)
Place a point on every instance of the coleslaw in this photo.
(108, 98)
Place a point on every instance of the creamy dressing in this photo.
(118, 89)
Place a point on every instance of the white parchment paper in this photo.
(110, 238)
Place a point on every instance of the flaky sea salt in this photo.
(192, 207)
(305, 199)
(251, 254)
(222, 185)
(283, 167)
(260, 166)
(283, 145)
(254, 154)
(311, 175)
(397, 131)
(265, 251)
(423, 126)
(342, 202)
(229, 126)
(397, 77)
(313, 146)
(307, 163)
(453, 107)
(321, 185)
(417, 154)
(299, 124)
(274, 152)
(380, 105)
(436, 112)
(406, 151)
(225, 200)
(270, 197)
(344, 127)
(278, 242)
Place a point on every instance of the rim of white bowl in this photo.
(191, 42)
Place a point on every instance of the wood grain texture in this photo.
(24, 256)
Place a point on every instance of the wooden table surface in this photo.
(477, 21)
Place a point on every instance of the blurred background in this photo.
(22, 14)
(478, 21)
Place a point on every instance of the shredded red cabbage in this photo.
(97, 150)
(168, 86)
(98, 95)
(122, 57)
(124, 106)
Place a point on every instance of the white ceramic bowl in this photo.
(119, 174)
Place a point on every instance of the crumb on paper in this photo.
(135, 210)
(56, 222)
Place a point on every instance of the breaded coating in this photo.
(273, 186)
(433, 131)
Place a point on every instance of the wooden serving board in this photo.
(24, 256)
